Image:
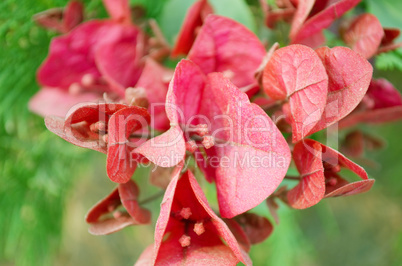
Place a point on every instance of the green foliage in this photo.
(36, 168)
(387, 11)
(389, 61)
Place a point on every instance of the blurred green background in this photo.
(47, 185)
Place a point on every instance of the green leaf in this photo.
(389, 61)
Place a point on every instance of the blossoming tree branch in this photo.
(236, 111)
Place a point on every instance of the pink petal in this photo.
(364, 35)
(120, 163)
(57, 126)
(188, 32)
(119, 60)
(154, 79)
(346, 86)
(166, 150)
(54, 101)
(307, 155)
(188, 82)
(297, 73)
(224, 45)
(73, 15)
(119, 10)
(323, 19)
(231, 115)
(72, 56)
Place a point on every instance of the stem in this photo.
(292, 177)
(147, 136)
(151, 198)
(158, 33)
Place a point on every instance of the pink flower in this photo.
(125, 195)
(319, 168)
(381, 104)
(95, 57)
(106, 128)
(218, 120)
(189, 232)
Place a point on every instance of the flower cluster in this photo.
(232, 112)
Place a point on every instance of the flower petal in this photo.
(364, 35)
(224, 45)
(194, 18)
(307, 155)
(243, 133)
(346, 86)
(297, 73)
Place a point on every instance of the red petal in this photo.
(231, 115)
(297, 72)
(129, 193)
(364, 35)
(346, 86)
(257, 228)
(323, 19)
(125, 194)
(119, 10)
(390, 34)
(335, 158)
(73, 15)
(302, 12)
(224, 45)
(383, 94)
(92, 112)
(208, 246)
(389, 47)
(194, 19)
(111, 225)
(120, 163)
(104, 206)
(351, 188)
(354, 144)
(307, 156)
(57, 102)
(377, 116)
